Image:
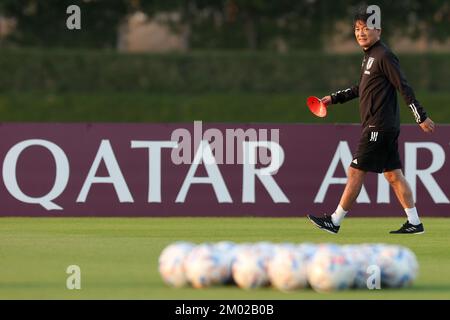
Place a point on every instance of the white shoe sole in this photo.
(422, 232)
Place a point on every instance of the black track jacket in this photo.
(380, 78)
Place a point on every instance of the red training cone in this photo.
(316, 106)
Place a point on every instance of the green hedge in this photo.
(210, 107)
(198, 72)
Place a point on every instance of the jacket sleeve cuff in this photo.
(333, 98)
(422, 119)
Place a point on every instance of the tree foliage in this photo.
(223, 24)
(43, 22)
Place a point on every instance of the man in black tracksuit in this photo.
(380, 78)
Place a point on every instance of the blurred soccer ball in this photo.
(225, 246)
(266, 250)
(326, 267)
(330, 270)
(249, 268)
(308, 250)
(171, 263)
(206, 266)
(227, 251)
(398, 266)
(362, 258)
(287, 269)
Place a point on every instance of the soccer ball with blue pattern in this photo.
(398, 265)
(227, 251)
(287, 269)
(249, 268)
(330, 270)
(205, 266)
(171, 263)
(362, 257)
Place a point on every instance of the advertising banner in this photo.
(207, 169)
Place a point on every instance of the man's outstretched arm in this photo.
(341, 96)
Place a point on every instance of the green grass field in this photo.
(118, 257)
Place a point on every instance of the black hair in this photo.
(360, 16)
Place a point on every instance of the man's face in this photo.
(365, 36)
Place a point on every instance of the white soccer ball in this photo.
(398, 265)
(361, 257)
(249, 269)
(265, 249)
(330, 270)
(171, 263)
(308, 250)
(205, 266)
(287, 269)
(227, 251)
(225, 246)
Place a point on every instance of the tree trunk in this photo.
(251, 31)
(186, 21)
(186, 36)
